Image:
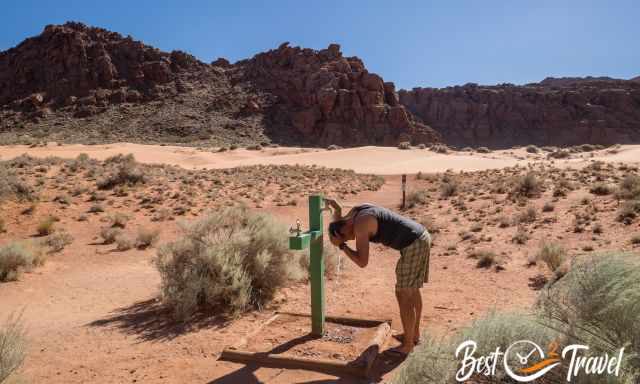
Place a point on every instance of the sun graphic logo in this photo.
(525, 361)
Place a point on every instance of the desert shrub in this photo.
(434, 360)
(254, 147)
(333, 147)
(127, 172)
(440, 148)
(11, 185)
(58, 240)
(552, 254)
(532, 149)
(448, 188)
(422, 146)
(96, 208)
(629, 188)
(147, 237)
(485, 258)
(416, 197)
(483, 150)
(504, 221)
(601, 189)
(404, 145)
(46, 226)
(225, 263)
(559, 154)
(597, 304)
(109, 235)
(521, 236)
(233, 147)
(12, 346)
(17, 257)
(119, 220)
(528, 216)
(124, 242)
(527, 186)
(629, 211)
(548, 207)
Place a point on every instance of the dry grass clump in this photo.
(629, 188)
(416, 197)
(483, 150)
(552, 254)
(440, 148)
(17, 257)
(528, 216)
(559, 154)
(57, 241)
(225, 263)
(110, 235)
(126, 171)
(601, 189)
(532, 149)
(404, 145)
(449, 187)
(485, 258)
(46, 226)
(119, 220)
(124, 242)
(333, 147)
(147, 237)
(527, 186)
(11, 185)
(13, 347)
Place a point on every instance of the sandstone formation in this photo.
(565, 111)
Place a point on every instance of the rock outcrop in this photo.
(565, 111)
(326, 98)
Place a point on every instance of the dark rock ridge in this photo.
(565, 111)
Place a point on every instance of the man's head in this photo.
(341, 231)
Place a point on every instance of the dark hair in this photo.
(335, 227)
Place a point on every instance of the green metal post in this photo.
(316, 265)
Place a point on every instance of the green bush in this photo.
(12, 346)
(597, 304)
(225, 263)
(17, 257)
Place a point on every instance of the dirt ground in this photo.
(92, 312)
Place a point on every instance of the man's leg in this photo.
(418, 311)
(407, 303)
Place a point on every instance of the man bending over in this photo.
(368, 223)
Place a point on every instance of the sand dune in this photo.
(376, 160)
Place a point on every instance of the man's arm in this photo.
(362, 231)
(335, 207)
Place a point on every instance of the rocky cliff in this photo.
(564, 111)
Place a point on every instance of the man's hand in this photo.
(335, 207)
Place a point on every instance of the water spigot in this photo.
(298, 229)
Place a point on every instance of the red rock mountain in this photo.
(75, 83)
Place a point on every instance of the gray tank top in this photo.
(394, 231)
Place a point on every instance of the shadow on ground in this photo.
(382, 365)
(151, 321)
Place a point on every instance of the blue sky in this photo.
(413, 43)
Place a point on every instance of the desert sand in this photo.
(92, 312)
(374, 160)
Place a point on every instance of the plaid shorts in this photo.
(412, 269)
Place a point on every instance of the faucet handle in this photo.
(298, 229)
